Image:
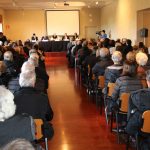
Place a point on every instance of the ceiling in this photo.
(52, 4)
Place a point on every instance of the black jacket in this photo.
(138, 103)
(30, 101)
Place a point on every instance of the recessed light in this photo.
(96, 2)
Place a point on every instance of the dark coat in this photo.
(19, 126)
(138, 103)
(99, 67)
(30, 101)
(111, 74)
(126, 84)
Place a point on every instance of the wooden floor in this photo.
(77, 123)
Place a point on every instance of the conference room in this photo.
(74, 74)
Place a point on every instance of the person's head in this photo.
(123, 40)
(116, 57)
(2, 67)
(85, 43)
(129, 69)
(141, 44)
(8, 55)
(104, 52)
(102, 32)
(33, 34)
(32, 51)
(7, 106)
(128, 42)
(36, 46)
(34, 59)
(27, 79)
(141, 59)
(27, 67)
(130, 57)
(19, 144)
(148, 77)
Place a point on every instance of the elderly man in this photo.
(105, 61)
(138, 103)
(29, 100)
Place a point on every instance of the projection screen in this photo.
(60, 22)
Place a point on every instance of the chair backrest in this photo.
(144, 83)
(146, 122)
(38, 128)
(124, 102)
(111, 87)
(101, 82)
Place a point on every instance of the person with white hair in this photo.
(141, 59)
(19, 144)
(114, 71)
(9, 122)
(31, 101)
(99, 68)
(10, 65)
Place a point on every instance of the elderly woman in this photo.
(128, 82)
(9, 122)
(141, 59)
(114, 71)
(99, 68)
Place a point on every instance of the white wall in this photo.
(120, 18)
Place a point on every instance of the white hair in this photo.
(116, 57)
(104, 52)
(27, 79)
(27, 67)
(7, 106)
(112, 49)
(33, 61)
(20, 144)
(141, 58)
(8, 55)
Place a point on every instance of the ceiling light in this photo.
(96, 2)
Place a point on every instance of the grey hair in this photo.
(32, 51)
(34, 59)
(8, 55)
(85, 43)
(27, 67)
(148, 75)
(19, 144)
(116, 57)
(141, 59)
(27, 79)
(104, 52)
(7, 106)
(130, 56)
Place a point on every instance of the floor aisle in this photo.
(77, 124)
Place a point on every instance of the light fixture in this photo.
(96, 2)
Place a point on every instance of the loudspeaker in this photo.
(144, 32)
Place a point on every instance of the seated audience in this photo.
(13, 126)
(113, 72)
(4, 77)
(3, 38)
(138, 103)
(141, 59)
(128, 82)
(29, 100)
(105, 61)
(10, 65)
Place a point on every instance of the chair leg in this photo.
(111, 121)
(46, 144)
(128, 141)
(117, 123)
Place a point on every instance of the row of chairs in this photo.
(95, 85)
